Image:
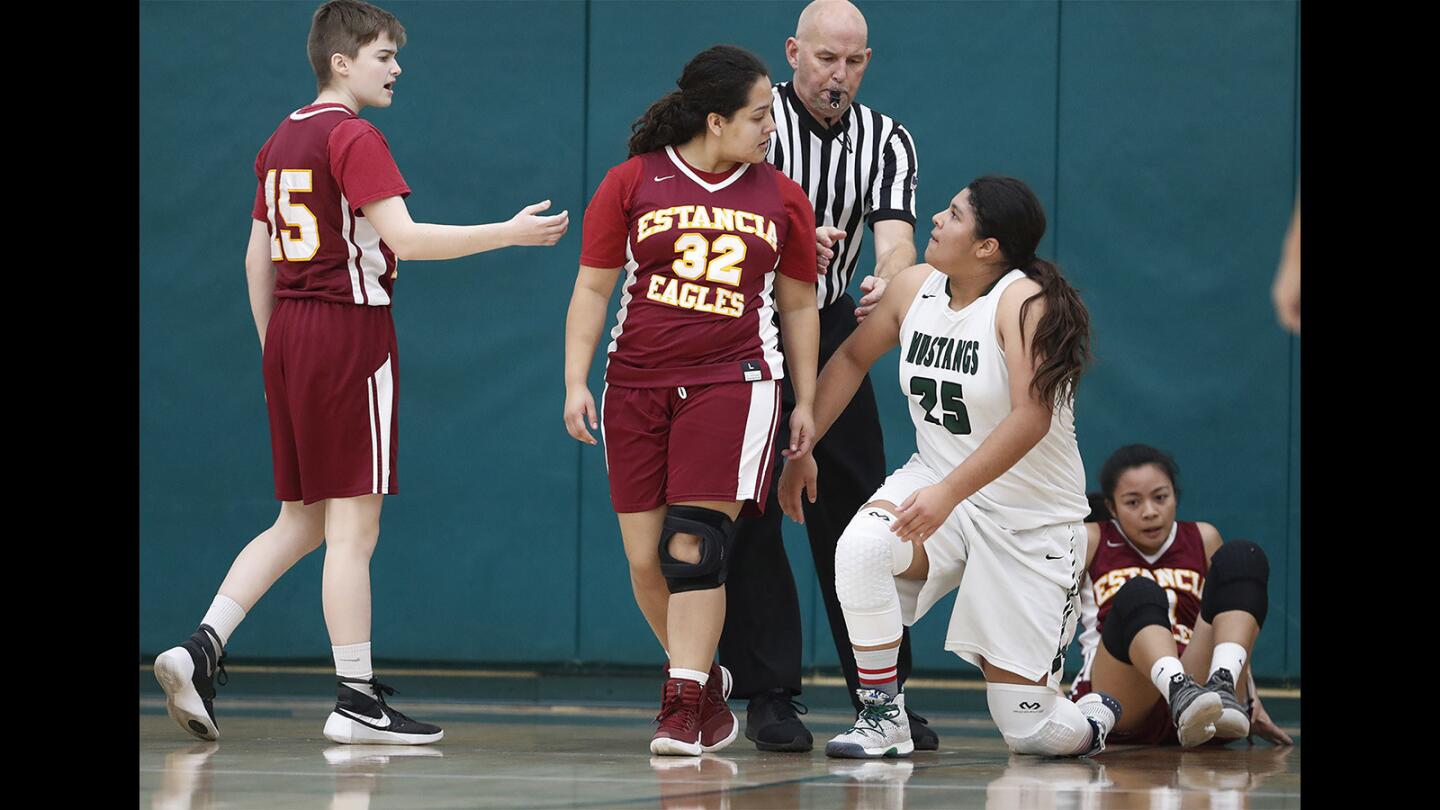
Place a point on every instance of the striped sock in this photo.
(877, 670)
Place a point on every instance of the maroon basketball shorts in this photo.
(690, 443)
(331, 386)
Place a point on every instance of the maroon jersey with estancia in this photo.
(1179, 568)
(319, 168)
(700, 251)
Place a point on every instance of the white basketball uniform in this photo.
(1015, 548)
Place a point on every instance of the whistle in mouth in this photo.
(834, 99)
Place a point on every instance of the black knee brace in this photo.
(1237, 580)
(715, 530)
(1139, 603)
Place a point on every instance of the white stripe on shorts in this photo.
(759, 438)
(382, 406)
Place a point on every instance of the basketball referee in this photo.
(858, 167)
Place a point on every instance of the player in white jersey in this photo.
(992, 342)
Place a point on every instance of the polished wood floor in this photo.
(271, 755)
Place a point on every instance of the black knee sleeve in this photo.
(1237, 579)
(715, 530)
(1139, 603)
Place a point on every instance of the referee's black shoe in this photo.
(771, 722)
(920, 733)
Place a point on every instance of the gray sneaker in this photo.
(1234, 721)
(1194, 710)
(881, 730)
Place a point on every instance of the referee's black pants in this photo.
(761, 642)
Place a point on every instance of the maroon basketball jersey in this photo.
(1180, 570)
(322, 164)
(700, 253)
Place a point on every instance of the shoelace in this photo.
(673, 704)
(872, 714)
(787, 707)
(381, 690)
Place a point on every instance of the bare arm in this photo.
(871, 339)
(800, 329)
(260, 277)
(894, 251)
(1286, 289)
(413, 240)
(841, 378)
(583, 324)
(1092, 542)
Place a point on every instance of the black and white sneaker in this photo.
(1194, 709)
(359, 718)
(1103, 712)
(188, 675)
(1234, 721)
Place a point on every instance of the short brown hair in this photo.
(344, 27)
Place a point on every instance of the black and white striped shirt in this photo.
(864, 166)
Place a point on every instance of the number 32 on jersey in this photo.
(693, 262)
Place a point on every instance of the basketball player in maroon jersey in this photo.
(713, 240)
(329, 223)
(1148, 632)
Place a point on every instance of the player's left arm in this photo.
(260, 277)
(1028, 422)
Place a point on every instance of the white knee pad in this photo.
(867, 558)
(1036, 720)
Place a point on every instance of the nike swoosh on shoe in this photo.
(369, 721)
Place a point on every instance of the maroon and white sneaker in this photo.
(679, 718)
(718, 726)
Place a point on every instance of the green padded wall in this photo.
(1163, 139)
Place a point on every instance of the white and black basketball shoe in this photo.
(359, 718)
(1194, 709)
(188, 675)
(1234, 721)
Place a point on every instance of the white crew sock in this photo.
(1229, 655)
(224, 615)
(1164, 670)
(353, 661)
(690, 675)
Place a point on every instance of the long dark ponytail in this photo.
(1009, 212)
(717, 80)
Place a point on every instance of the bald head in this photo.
(831, 17)
(829, 53)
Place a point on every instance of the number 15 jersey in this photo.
(320, 167)
(953, 371)
(700, 251)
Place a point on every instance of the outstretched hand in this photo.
(532, 229)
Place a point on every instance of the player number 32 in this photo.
(284, 245)
(695, 260)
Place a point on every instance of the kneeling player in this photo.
(993, 341)
(1149, 634)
